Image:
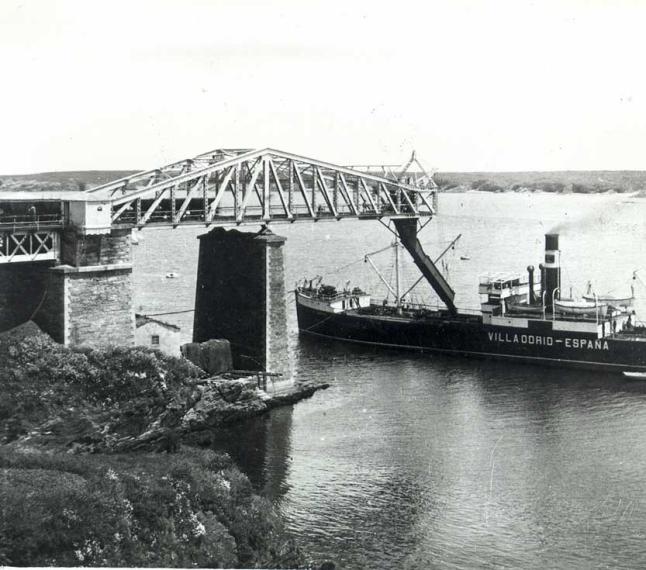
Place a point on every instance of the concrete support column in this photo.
(89, 297)
(240, 296)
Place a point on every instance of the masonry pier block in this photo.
(89, 297)
(240, 296)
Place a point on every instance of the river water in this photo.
(426, 461)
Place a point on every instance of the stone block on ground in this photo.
(212, 356)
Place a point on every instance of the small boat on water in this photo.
(172, 275)
(634, 375)
(465, 258)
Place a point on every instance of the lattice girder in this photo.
(267, 185)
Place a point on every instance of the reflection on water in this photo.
(438, 462)
(426, 461)
(262, 447)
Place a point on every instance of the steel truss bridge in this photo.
(220, 187)
(262, 186)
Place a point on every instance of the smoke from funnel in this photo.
(599, 212)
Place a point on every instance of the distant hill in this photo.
(578, 181)
(71, 180)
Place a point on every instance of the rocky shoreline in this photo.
(220, 402)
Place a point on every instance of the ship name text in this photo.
(567, 342)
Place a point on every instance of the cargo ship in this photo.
(519, 320)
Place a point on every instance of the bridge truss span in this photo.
(261, 186)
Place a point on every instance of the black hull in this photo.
(538, 343)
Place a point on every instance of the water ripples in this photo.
(418, 461)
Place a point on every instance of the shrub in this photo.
(125, 387)
(190, 509)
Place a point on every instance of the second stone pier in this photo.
(240, 296)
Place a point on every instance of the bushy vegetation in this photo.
(70, 391)
(486, 186)
(190, 509)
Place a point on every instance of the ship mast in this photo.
(398, 299)
(396, 292)
(448, 247)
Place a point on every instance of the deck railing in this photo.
(25, 221)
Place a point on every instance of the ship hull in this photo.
(536, 342)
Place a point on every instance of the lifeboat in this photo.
(614, 301)
(524, 308)
(580, 308)
(609, 299)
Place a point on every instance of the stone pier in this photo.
(85, 296)
(89, 299)
(240, 296)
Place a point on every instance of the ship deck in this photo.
(416, 312)
(423, 312)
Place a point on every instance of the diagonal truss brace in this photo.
(240, 186)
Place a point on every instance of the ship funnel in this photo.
(530, 271)
(552, 281)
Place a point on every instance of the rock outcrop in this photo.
(120, 399)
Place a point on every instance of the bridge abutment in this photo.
(89, 298)
(240, 296)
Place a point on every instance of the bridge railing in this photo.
(26, 221)
(28, 245)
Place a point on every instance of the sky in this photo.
(470, 85)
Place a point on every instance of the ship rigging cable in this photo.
(363, 257)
